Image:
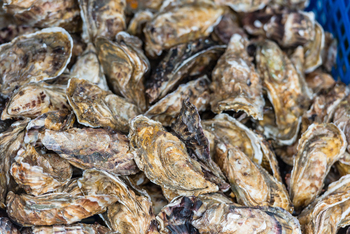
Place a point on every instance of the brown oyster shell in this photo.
(329, 52)
(320, 146)
(124, 65)
(164, 159)
(343, 164)
(181, 24)
(102, 18)
(168, 108)
(341, 119)
(40, 173)
(138, 22)
(34, 99)
(229, 25)
(92, 148)
(313, 50)
(70, 229)
(7, 227)
(46, 13)
(318, 81)
(95, 107)
(87, 67)
(243, 5)
(179, 62)
(236, 84)
(34, 57)
(140, 5)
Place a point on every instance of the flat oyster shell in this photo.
(88, 67)
(70, 229)
(102, 18)
(181, 24)
(124, 65)
(164, 159)
(236, 84)
(92, 148)
(318, 149)
(95, 107)
(34, 57)
(34, 99)
(179, 62)
(168, 108)
(40, 173)
(7, 227)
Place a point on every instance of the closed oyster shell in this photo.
(313, 50)
(95, 107)
(236, 84)
(318, 81)
(318, 149)
(124, 65)
(34, 99)
(181, 24)
(70, 229)
(179, 62)
(40, 173)
(34, 57)
(7, 227)
(92, 148)
(87, 67)
(46, 13)
(164, 159)
(168, 108)
(102, 18)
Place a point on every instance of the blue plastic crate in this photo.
(334, 16)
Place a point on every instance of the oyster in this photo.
(34, 99)
(214, 214)
(341, 119)
(313, 50)
(46, 13)
(285, 91)
(179, 62)
(40, 173)
(229, 25)
(124, 65)
(236, 85)
(168, 108)
(330, 211)
(243, 5)
(319, 81)
(102, 18)
(329, 52)
(181, 24)
(138, 22)
(92, 148)
(164, 160)
(34, 57)
(6, 227)
(343, 164)
(157, 197)
(95, 107)
(87, 67)
(318, 149)
(74, 228)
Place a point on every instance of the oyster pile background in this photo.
(177, 116)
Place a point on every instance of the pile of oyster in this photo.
(177, 116)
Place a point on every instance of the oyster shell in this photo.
(164, 160)
(178, 63)
(124, 65)
(157, 197)
(313, 50)
(341, 119)
(236, 85)
(285, 91)
(87, 67)
(34, 57)
(74, 228)
(329, 52)
(95, 107)
(243, 5)
(92, 148)
(343, 164)
(40, 173)
(318, 149)
(330, 211)
(46, 13)
(34, 99)
(229, 25)
(181, 24)
(168, 108)
(319, 81)
(6, 226)
(138, 22)
(102, 18)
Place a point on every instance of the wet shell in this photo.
(92, 148)
(34, 57)
(236, 84)
(318, 149)
(181, 24)
(313, 50)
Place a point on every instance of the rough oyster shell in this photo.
(341, 119)
(40, 173)
(236, 84)
(178, 63)
(95, 107)
(229, 25)
(124, 65)
(329, 52)
(343, 164)
(6, 226)
(313, 50)
(318, 81)
(181, 24)
(318, 149)
(168, 108)
(34, 57)
(164, 159)
(92, 148)
(70, 229)
(138, 22)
